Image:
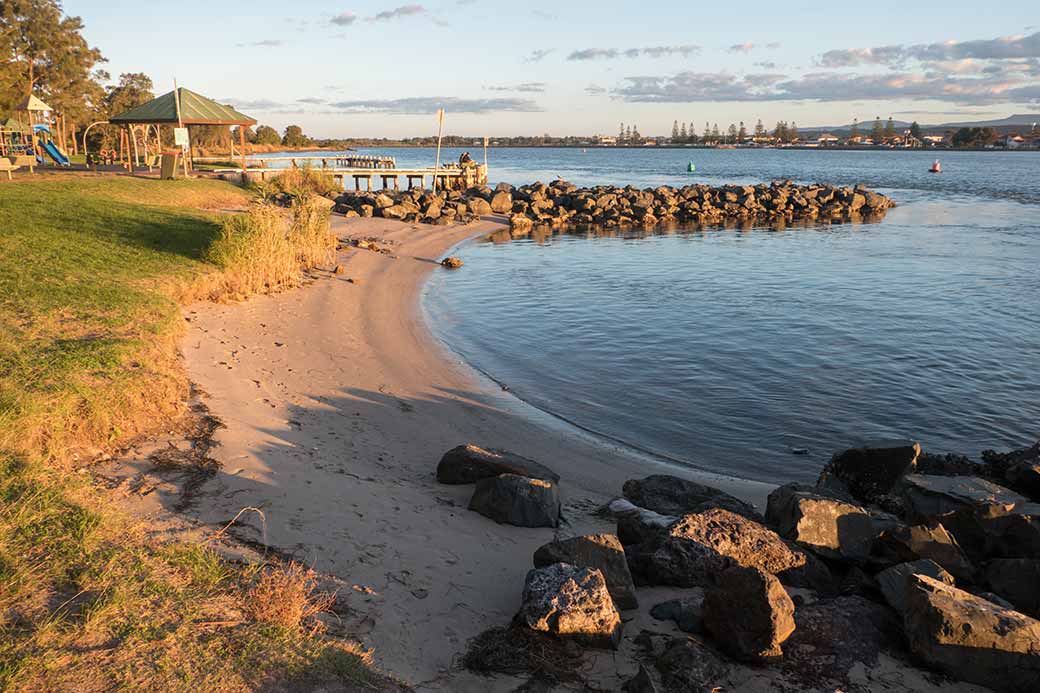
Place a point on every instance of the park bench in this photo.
(6, 167)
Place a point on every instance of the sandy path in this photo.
(338, 404)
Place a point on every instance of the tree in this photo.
(890, 130)
(44, 53)
(715, 137)
(250, 136)
(780, 132)
(133, 89)
(792, 133)
(741, 133)
(878, 134)
(760, 131)
(265, 134)
(635, 136)
(915, 130)
(675, 131)
(855, 129)
(683, 137)
(731, 133)
(628, 134)
(294, 137)
(47, 47)
(621, 134)
(974, 137)
(706, 137)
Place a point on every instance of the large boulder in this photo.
(671, 495)
(502, 202)
(829, 527)
(749, 615)
(517, 500)
(571, 603)
(394, 212)
(478, 206)
(467, 464)
(601, 551)
(871, 471)
(996, 530)
(970, 638)
(382, 201)
(909, 543)
(689, 666)
(697, 548)
(929, 496)
(892, 581)
(1018, 581)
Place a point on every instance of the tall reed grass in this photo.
(299, 183)
(265, 249)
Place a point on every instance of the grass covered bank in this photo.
(92, 275)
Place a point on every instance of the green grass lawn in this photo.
(92, 273)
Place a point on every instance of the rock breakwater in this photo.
(565, 204)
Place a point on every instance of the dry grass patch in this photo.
(287, 596)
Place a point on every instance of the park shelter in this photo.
(182, 107)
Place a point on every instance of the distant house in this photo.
(933, 140)
(1014, 142)
(650, 143)
(827, 140)
(606, 140)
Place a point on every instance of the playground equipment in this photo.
(49, 147)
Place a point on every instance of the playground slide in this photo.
(55, 153)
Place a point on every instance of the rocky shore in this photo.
(930, 560)
(564, 204)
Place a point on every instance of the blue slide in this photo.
(56, 154)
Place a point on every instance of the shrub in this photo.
(299, 182)
(264, 249)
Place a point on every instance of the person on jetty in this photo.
(466, 160)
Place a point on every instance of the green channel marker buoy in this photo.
(690, 168)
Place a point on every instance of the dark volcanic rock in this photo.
(637, 525)
(601, 551)
(517, 500)
(996, 530)
(694, 550)
(872, 470)
(892, 581)
(1018, 581)
(689, 666)
(571, 603)
(749, 615)
(930, 496)
(829, 527)
(906, 544)
(670, 495)
(970, 638)
(467, 464)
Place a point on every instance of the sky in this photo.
(381, 68)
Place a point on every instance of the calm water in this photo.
(726, 349)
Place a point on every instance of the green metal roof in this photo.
(195, 110)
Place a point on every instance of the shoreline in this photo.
(337, 402)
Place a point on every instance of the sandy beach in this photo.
(337, 404)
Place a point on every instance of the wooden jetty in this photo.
(364, 168)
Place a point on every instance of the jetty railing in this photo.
(447, 177)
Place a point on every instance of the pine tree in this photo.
(706, 137)
(792, 132)
(855, 129)
(636, 137)
(715, 137)
(915, 130)
(890, 130)
(621, 134)
(675, 131)
(731, 136)
(741, 133)
(683, 137)
(760, 130)
(628, 134)
(878, 133)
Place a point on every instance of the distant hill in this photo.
(1012, 122)
(1017, 120)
